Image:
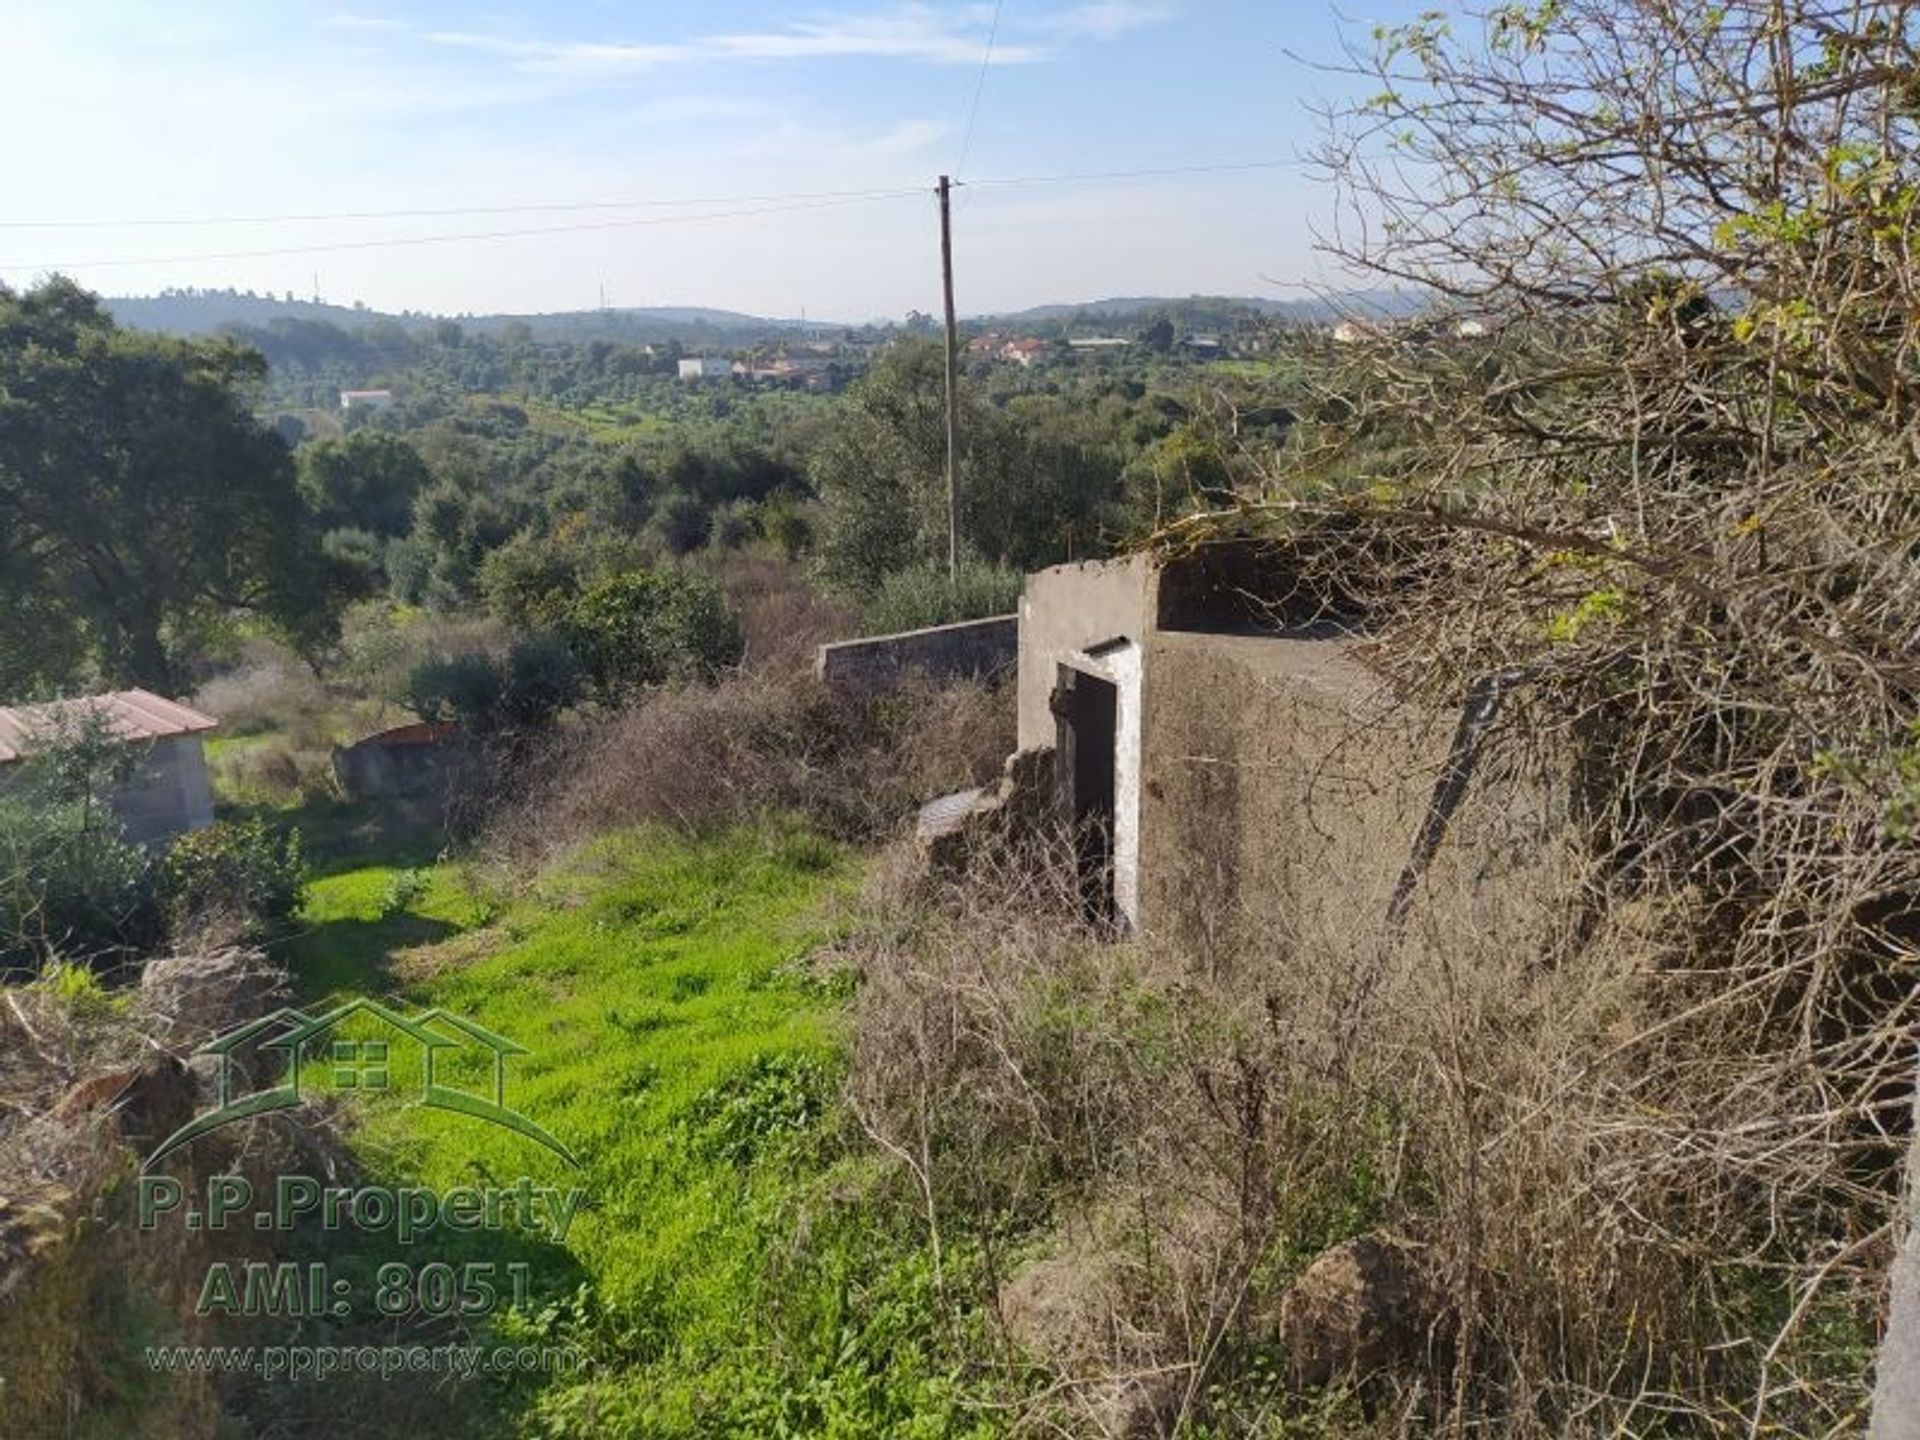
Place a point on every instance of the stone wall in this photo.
(970, 649)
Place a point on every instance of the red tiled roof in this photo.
(131, 714)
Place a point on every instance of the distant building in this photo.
(167, 794)
(351, 400)
(705, 367)
(1024, 353)
(1100, 343)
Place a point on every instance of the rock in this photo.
(1070, 1312)
(1360, 1308)
(189, 999)
(148, 1103)
(1017, 805)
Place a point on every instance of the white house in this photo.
(168, 793)
(366, 399)
(705, 367)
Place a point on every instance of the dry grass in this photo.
(759, 742)
(1581, 1155)
(783, 617)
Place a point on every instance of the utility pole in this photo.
(953, 388)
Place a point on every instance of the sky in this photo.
(777, 159)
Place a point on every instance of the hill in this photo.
(203, 312)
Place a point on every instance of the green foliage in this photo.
(1033, 489)
(403, 891)
(539, 678)
(245, 872)
(649, 975)
(529, 581)
(770, 1105)
(922, 595)
(140, 495)
(465, 688)
(366, 481)
(649, 628)
(71, 887)
(684, 522)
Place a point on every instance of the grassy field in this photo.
(731, 1270)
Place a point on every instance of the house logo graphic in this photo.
(301, 1046)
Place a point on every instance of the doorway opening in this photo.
(1086, 713)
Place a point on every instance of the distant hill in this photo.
(203, 312)
(1215, 308)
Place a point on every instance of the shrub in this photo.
(923, 595)
(787, 523)
(756, 743)
(683, 523)
(245, 878)
(648, 627)
(71, 887)
(734, 524)
(466, 688)
(536, 681)
(542, 679)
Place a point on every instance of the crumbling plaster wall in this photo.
(1285, 792)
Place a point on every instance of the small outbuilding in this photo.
(407, 761)
(168, 792)
(1242, 780)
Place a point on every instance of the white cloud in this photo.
(351, 20)
(1104, 19)
(570, 56)
(910, 32)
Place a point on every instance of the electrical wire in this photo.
(405, 240)
(979, 88)
(338, 215)
(799, 201)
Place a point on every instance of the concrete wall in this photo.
(370, 770)
(1896, 1395)
(1285, 793)
(1066, 609)
(977, 648)
(168, 794)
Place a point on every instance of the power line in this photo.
(1222, 168)
(566, 206)
(815, 200)
(443, 213)
(979, 87)
(405, 240)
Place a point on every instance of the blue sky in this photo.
(123, 112)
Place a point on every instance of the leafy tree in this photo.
(1030, 494)
(366, 481)
(650, 627)
(139, 494)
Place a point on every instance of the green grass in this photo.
(733, 1270)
